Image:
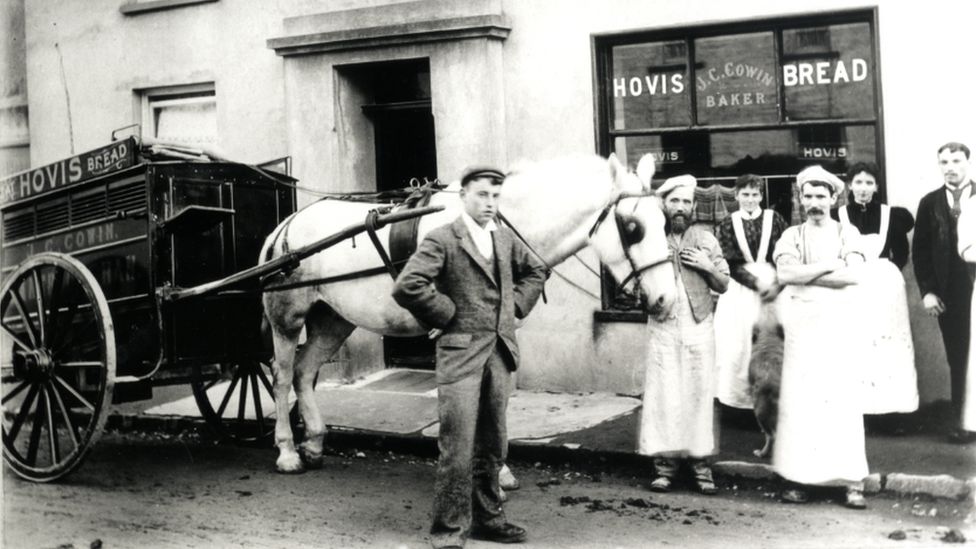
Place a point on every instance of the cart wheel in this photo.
(238, 402)
(57, 352)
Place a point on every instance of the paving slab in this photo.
(540, 416)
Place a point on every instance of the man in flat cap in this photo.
(820, 431)
(678, 417)
(469, 280)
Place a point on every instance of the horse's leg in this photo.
(286, 313)
(325, 331)
(284, 349)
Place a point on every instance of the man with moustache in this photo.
(678, 417)
(944, 279)
(820, 431)
(469, 280)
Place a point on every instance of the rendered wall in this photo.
(529, 96)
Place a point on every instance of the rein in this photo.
(549, 268)
(636, 271)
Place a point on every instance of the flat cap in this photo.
(676, 182)
(478, 171)
(817, 173)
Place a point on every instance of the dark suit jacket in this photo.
(934, 248)
(449, 285)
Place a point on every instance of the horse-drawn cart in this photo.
(123, 270)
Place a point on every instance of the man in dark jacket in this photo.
(469, 280)
(944, 279)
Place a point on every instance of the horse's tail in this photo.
(275, 243)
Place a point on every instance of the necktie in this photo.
(957, 199)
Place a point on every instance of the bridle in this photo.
(625, 240)
(620, 221)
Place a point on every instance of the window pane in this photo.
(649, 88)
(191, 122)
(736, 79)
(828, 72)
(778, 154)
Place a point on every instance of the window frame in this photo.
(602, 46)
(187, 94)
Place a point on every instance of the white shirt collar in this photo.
(964, 198)
(756, 213)
(480, 235)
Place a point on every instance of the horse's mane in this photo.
(577, 175)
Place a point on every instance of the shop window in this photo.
(183, 115)
(649, 86)
(765, 97)
(827, 72)
(736, 79)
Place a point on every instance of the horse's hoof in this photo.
(312, 460)
(290, 466)
(760, 453)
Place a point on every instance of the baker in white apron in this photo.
(747, 237)
(820, 431)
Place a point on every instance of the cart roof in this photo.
(114, 157)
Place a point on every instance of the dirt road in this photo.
(152, 491)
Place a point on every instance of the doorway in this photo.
(399, 108)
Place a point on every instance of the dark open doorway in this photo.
(403, 126)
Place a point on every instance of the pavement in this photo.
(399, 407)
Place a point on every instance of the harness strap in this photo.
(365, 273)
(371, 218)
(403, 234)
(549, 269)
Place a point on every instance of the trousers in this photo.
(954, 324)
(473, 444)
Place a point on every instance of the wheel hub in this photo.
(36, 363)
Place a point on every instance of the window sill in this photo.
(620, 316)
(137, 8)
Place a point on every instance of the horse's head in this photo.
(629, 237)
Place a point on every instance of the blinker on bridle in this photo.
(630, 231)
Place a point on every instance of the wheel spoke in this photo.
(72, 429)
(16, 338)
(85, 334)
(223, 403)
(22, 310)
(23, 385)
(53, 305)
(81, 364)
(39, 299)
(84, 402)
(258, 412)
(64, 327)
(52, 432)
(35, 436)
(242, 401)
(265, 381)
(22, 414)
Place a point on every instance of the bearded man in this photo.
(678, 416)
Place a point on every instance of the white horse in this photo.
(558, 207)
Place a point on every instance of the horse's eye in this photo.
(631, 230)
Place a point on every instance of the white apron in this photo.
(677, 418)
(735, 315)
(820, 434)
(888, 378)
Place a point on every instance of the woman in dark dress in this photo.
(890, 383)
